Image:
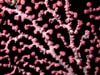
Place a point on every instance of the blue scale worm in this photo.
(12, 3)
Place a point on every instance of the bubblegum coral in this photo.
(49, 37)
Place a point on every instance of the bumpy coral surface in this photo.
(49, 37)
